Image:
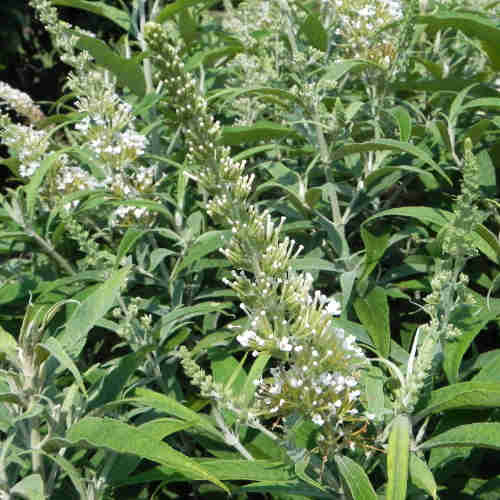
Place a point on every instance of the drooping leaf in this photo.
(53, 346)
(123, 438)
(244, 470)
(127, 71)
(173, 8)
(118, 16)
(355, 477)
(484, 435)
(462, 395)
(473, 25)
(390, 145)
(170, 406)
(486, 242)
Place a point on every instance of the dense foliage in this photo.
(251, 249)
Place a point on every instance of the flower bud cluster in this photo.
(64, 35)
(450, 298)
(459, 238)
(318, 369)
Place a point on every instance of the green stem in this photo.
(229, 437)
(50, 251)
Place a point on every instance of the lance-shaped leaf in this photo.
(90, 311)
(483, 435)
(355, 478)
(123, 438)
(397, 458)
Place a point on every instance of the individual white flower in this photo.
(284, 345)
(334, 307)
(318, 419)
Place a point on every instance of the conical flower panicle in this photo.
(317, 369)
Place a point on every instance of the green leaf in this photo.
(300, 468)
(486, 242)
(171, 9)
(473, 25)
(390, 145)
(255, 372)
(54, 347)
(229, 372)
(71, 471)
(33, 187)
(207, 243)
(489, 372)
(484, 435)
(123, 438)
(127, 71)
(403, 119)
(127, 242)
(375, 246)
(118, 16)
(209, 58)
(372, 180)
(30, 487)
(261, 131)
(92, 309)
(160, 402)
(457, 106)
(315, 32)
(470, 327)
(23, 285)
(373, 312)
(113, 382)
(373, 380)
(355, 477)
(291, 487)
(421, 476)
(463, 395)
(260, 92)
(484, 102)
(314, 264)
(335, 71)
(397, 458)
(225, 469)
(187, 27)
(8, 344)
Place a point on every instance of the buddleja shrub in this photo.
(250, 251)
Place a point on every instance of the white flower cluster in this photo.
(319, 364)
(28, 145)
(109, 128)
(20, 102)
(357, 23)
